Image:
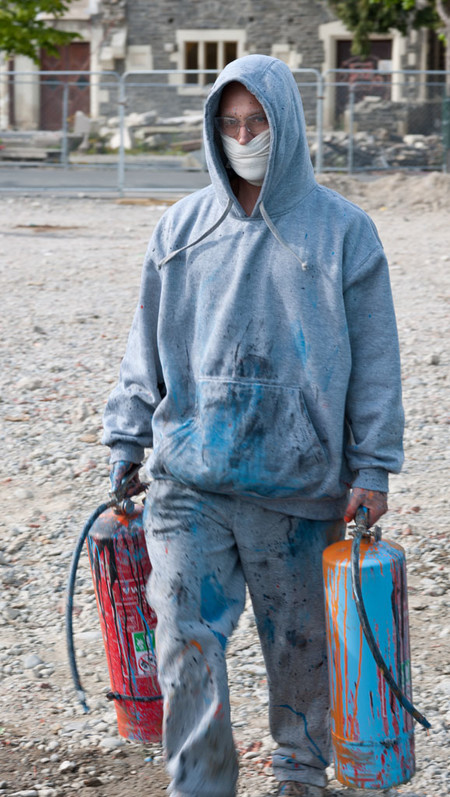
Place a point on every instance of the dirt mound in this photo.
(428, 192)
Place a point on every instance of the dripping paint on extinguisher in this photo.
(120, 570)
(372, 733)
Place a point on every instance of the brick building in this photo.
(130, 36)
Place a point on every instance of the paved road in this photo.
(144, 177)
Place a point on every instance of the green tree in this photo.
(427, 14)
(24, 32)
(365, 17)
(443, 9)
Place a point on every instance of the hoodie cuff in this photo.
(127, 452)
(372, 479)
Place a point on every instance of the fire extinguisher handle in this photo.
(119, 494)
(362, 517)
(363, 527)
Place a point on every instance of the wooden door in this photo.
(366, 76)
(73, 57)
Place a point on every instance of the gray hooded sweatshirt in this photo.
(263, 357)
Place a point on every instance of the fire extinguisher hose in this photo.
(69, 602)
(361, 530)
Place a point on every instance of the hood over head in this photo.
(290, 174)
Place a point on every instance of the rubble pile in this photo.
(380, 151)
(152, 133)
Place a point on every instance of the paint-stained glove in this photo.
(375, 502)
(119, 471)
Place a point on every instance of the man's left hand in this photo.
(375, 502)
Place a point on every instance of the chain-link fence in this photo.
(142, 131)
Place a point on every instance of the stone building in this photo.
(132, 36)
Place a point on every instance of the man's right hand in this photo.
(373, 500)
(119, 471)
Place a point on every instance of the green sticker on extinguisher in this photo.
(144, 649)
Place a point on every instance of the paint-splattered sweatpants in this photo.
(204, 549)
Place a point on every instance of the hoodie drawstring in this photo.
(198, 240)
(217, 224)
(278, 237)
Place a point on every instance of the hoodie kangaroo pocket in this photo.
(246, 438)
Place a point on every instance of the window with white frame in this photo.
(200, 49)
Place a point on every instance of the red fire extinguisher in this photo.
(369, 660)
(120, 569)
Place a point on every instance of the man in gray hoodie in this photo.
(262, 369)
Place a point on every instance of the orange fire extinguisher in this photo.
(120, 569)
(369, 660)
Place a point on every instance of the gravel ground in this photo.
(70, 273)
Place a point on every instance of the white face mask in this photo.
(248, 160)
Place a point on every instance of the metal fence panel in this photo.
(385, 121)
(39, 128)
(146, 128)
